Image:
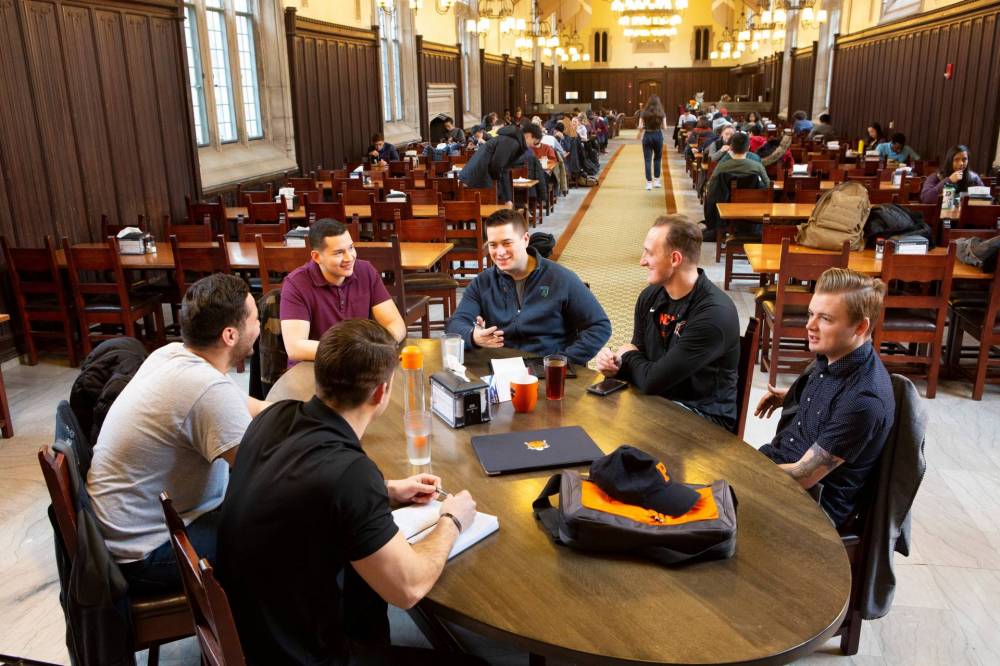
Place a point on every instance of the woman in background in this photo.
(954, 170)
(875, 137)
(652, 123)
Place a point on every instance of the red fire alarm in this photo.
(949, 71)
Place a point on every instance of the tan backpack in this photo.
(839, 216)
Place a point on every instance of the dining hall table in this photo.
(243, 256)
(782, 595)
(363, 211)
(755, 212)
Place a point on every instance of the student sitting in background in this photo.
(897, 150)
(874, 136)
(954, 170)
(382, 152)
(802, 122)
(737, 166)
(823, 128)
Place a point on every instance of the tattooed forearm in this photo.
(814, 464)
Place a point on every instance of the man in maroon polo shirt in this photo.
(335, 285)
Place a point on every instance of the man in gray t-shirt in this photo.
(175, 427)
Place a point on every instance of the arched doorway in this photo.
(648, 88)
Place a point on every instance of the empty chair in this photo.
(427, 196)
(974, 216)
(385, 215)
(876, 197)
(399, 168)
(246, 196)
(399, 184)
(822, 168)
(272, 233)
(333, 210)
(360, 197)
(106, 309)
(909, 334)
(386, 259)
(465, 229)
(192, 262)
(200, 231)
(304, 184)
(796, 183)
(267, 213)
(306, 196)
(448, 187)
(437, 285)
(214, 211)
(274, 262)
(40, 297)
(110, 229)
(807, 196)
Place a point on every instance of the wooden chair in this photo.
(305, 196)
(736, 232)
(807, 196)
(877, 197)
(277, 260)
(448, 187)
(155, 620)
(325, 174)
(348, 183)
(40, 296)
(871, 183)
(823, 168)
(214, 211)
(247, 197)
(972, 216)
(932, 216)
(439, 286)
(361, 197)
(213, 619)
(104, 303)
(534, 208)
(487, 195)
(303, 184)
(909, 189)
(980, 318)
(109, 229)
(785, 318)
(741, 195)
(386, 260)
(748, 361)
(319, 210)
(914, 318)
(399, 169)
(194, 261)
(272, 233)
(201, 231)
(795, 183)
(400, 184)
(425, 196)
(6, 423)
(267, 213)
(465, 229)
(386, 215)
(438, 168)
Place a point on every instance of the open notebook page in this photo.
(418, 520)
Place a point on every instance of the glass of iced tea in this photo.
(555, 376)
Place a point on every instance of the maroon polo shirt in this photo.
(307, 296)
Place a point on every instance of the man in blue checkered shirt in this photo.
(837, 415)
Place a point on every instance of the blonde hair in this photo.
(862, 294)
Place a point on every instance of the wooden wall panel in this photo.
(493, 81)
(525, 87)
(676, 85)
(441, 63)
(906, 59)
(336, 90)
(803, 80)
(684, 82)
(94, 118)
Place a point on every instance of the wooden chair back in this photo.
(447, 187)
(422, 230)
(976, 216)
(277, 260)
(871, 183)
(201, 231)
(195, 260)
(742, 195)
(247, 196)
(341, 184)
(438, 168)
(823, 168)
(425, 196)
(303, 184)
(807, 196)
(487, 195)
(325, 174)
(797, 267)
(877, 197)
(214, 211)
(931, 214)
(386, 259)
(333, 210)
(400, 184)
(34, 272)
(748, 361)
(55, 471)
(270, 212)
(948, 235)
(385, 216)
(91, 268)
(109, 229)
(305, 196)
(774, 234)
(795, 183)
(272, 233)
(213, 618)
(359, 197)
(399, 168)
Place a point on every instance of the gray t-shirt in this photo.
(165, 431)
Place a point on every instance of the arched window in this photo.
(702, 43)
(600, 53)
(392, 76)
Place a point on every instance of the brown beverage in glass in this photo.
(555, 376)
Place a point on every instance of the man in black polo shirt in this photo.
(837, 415)
(686, 341)
(305, 505)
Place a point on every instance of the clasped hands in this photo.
(490, 337)
(609, 362)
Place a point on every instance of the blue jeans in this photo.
(652, 149)
(158, 573)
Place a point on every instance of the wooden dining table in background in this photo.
(782, 595)
(755, 212)
(243, 256)
(362, 211)
(766, 260)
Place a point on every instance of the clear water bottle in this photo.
(948, 198)
(412, 365)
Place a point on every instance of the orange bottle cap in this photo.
(412, 358)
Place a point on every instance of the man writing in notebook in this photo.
(306, 505)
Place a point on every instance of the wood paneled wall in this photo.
(94, 119)
(759, 80)
(803, 80)
(895, 74)
(493, 82)
(439, 63)
(676, 85)
(525, 86)
(336, 90)
(771, 80)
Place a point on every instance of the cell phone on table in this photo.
(607, 386)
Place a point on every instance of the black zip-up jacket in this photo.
(693, 360)
(492, 161)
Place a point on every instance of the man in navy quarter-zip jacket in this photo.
(527, 302)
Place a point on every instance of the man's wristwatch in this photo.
(455, 520)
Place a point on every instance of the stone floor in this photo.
(947, 605)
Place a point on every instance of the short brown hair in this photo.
(352, 359)
(683, 235)
(507, 216)
(862, 294)
(211, 305)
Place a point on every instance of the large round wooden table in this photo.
(781, 596)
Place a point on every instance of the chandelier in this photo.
(480, 27)
(649, 19)
(440, 6)
(495, 9)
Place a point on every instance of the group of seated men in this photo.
(255, 482)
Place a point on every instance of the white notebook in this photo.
(418, 520)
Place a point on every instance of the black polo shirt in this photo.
(848, 409)
(689, 349)
(303, 501)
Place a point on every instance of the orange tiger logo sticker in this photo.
(537, 445)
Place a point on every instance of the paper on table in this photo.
(504, 370)
(418, 520)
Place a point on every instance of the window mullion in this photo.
(235, 75)
(208, 80)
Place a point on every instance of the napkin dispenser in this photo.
(459, 402)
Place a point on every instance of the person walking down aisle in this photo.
(652, 123)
